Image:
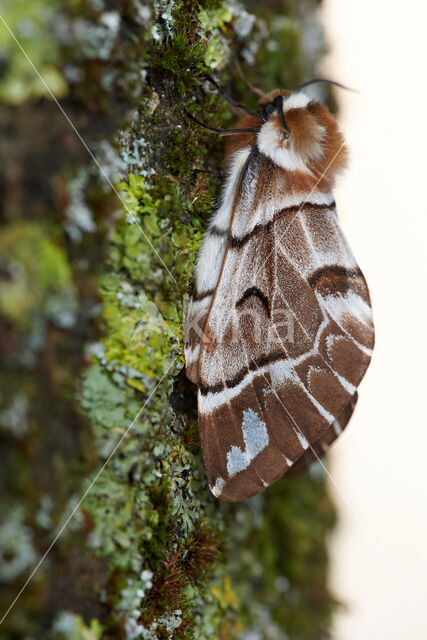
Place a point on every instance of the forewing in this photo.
(211, 255)
(287, 340)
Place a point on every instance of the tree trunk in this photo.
(103, 216)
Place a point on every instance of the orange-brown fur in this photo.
(239, 140)
(304, 126)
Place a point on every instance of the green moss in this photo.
(280, 557)
(176, 562)
(39, 278)
(28, 24)
(164, 217)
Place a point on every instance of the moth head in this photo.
(300, 134)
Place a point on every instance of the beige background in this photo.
(380, 465)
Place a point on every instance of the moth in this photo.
(279, 329)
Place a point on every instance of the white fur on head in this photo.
(277, 145)
(296, 101)
(271, 141)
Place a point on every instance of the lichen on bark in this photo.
(93, 289)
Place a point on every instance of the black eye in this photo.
(269, 108)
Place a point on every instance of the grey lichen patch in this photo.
(79, 215)
(101, 290)
(163, 29)
(71, 626)
(17, 552)
(14, 418)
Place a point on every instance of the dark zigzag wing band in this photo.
(237, 242)
(263, 402)
(197, 314)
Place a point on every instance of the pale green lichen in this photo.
(212, 18)
(32, 26)
(95, 41)
(130, 603)
(70, 626)
(214, 21)
(39, 278)
(163, 31)
(218, 52)
(175, 562)
(140, 344)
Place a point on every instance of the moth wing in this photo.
(319, 448)
(210, 261)
(287, 340)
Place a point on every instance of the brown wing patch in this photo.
(237, 468)
(289, 375)
(319, 448)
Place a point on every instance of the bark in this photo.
(92, 291)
